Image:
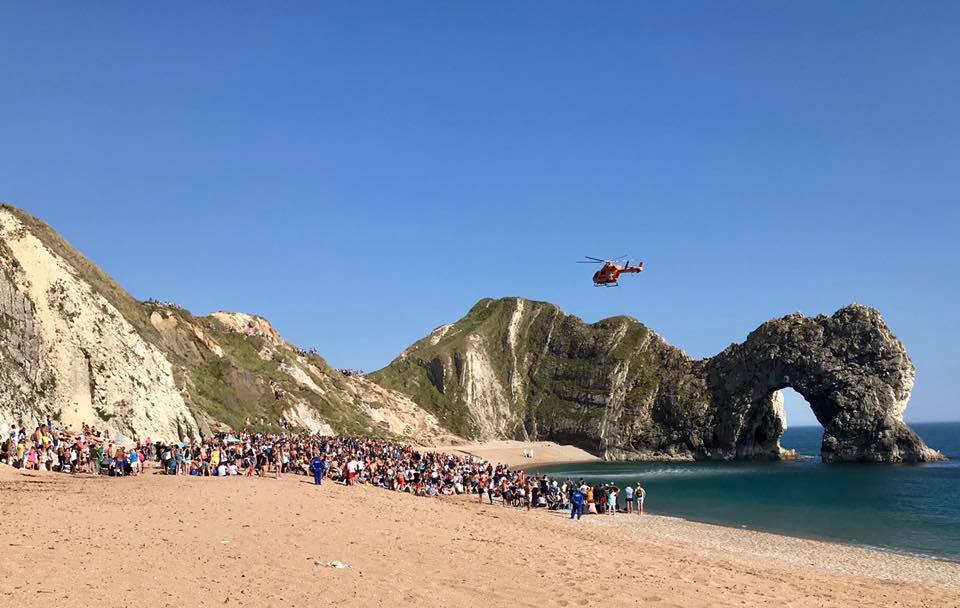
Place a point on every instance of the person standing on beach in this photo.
(352, 467)
(277, 462)
(628, 497)
(576, 504)
(639, 495)
(486, 488)
(612, 493)
(318, 467)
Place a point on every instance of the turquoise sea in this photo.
(906, 508)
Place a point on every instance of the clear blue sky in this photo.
(360, 173)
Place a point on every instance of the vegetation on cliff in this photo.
(78, 346)
(520, 369)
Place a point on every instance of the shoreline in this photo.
(810, 538)
(419, 550)
(595, 518)
(884, 564)
(8, 473)
(752, 527)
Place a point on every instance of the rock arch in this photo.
(856, 376)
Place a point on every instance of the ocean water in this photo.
(906, 508)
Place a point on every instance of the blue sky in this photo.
(360, 173)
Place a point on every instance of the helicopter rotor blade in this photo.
(594, 259)
(586, 262)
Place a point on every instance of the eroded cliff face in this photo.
(520, 369)
(856, 376)
(76, 346)
(79, 348)
(74, 353)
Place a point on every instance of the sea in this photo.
(912, 509)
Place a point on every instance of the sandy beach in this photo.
(181, 541)
(511, 453)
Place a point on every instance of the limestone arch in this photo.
(856, 376)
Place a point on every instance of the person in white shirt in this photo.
(352, 467)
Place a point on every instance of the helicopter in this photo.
(609, 273)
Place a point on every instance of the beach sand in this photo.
(511, 452)
(178, 541)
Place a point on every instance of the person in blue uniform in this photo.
(576, 510)
(318, 466)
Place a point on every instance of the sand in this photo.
(511, 452)
(178, 541)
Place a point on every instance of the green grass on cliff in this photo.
(410, 377)
(488, 320)
(231, 390)
(568, 383)
(237, 388)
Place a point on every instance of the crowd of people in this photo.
(50, 447)
(351, 461)
(393, 466)
(167, 304)
(352, 372)
(304, 352)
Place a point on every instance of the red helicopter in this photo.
(609, 273)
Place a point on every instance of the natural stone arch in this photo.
(856, 376)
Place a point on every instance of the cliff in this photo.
(513, 368)
(76, 346)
